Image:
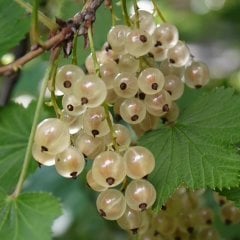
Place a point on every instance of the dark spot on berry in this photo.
(73, 175)
(134, 231)
(169, 92)
(165, 108)
(190, 229)
(228, 222)
(108, 47)
(67, 84)
(177, 238)
(70, 107)
(110, 181)
(209, 221)
(58, 159)
(102, 213)
(164, 120)
(142, 206)
(44, 149)
(143, 38)
(123, 86)
(156, 233)
(150, 55)
(141, 96)
(164, 207)
(154, 86)
(116, 60)
(222, 202)
(84, 100)
(158, 44)
(172, 61)
(198, 86)
(134, 118)
(95, 132)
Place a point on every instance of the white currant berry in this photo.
(174, 86)
(108, 169)
(158, 104)
(151, 80)
(117, 38)
(166, 35)
(196, 75)
(108, 71)
(158, 53)
(95, 123)
(133, 110)
(179, 55)
(91, 91)
(88, 145)
(125, 85)
(172, 115)
(66, 76)
(70, 163)
(43, 157)
(139, 162)
(111, 204)
(138, 42)
(52, 135)
(140, 195)
(93, 184)
(73, 105)
(128, 63)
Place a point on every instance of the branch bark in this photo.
(80, 23)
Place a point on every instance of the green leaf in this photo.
(232, 194)
(14, 24)
(29, 216)
(15, 127)
(199, 151)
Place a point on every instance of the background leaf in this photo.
(232, 194)
(15, 126)
(29, 216)
(199, 151)
(14, 24)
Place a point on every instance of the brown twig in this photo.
(80, 23)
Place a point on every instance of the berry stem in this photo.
(51, 25)
(125, 12)
(91, 43)
(136, 13)
(157, 9)
(28, 153)
(74, 54)
(115, 145)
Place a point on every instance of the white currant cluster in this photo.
(186, 216)
(142, 70)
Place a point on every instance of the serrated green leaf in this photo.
(29, 216)
(15, 127)
(14, 24)
(199, 151)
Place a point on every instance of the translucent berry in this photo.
(140, 195)
(139, 162)
(91, 91)
(133, 110)
(196, 75)
(70, 163)
(66, 76)
(95, 123)
(93, 184)
(111, 204)
(128, 63)
(151, 80)
(174, 86)
(138, 42)
(172, 115)
(73, 105)
(125, 85)
(108, 169)
(166, 35)
(52, 135)
(179, 55)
